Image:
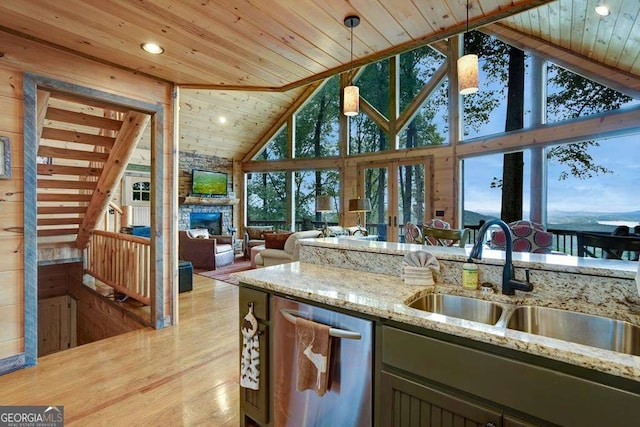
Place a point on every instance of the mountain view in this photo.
(581, 221)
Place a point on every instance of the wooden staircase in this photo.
(82, 155)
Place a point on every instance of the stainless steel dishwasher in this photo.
(347, 401)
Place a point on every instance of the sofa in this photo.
(254, 236)
(283, 248)
(339, 230)
(204, 251)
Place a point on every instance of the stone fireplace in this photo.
(217, 218)
(211, 221)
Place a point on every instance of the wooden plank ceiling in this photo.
(249, 60)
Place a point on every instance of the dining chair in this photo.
(445, 237)
(412, 233)
(612, 247)
(526, 236)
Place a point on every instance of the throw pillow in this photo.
(275, 240)
(254, 233)
(198, 233)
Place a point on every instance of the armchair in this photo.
(206, 253)
(254, 236)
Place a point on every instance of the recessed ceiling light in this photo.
(152, 48)
(602, 10)
(222, 119)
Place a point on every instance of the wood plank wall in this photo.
(19, 56)
(53, 279)
(97, 319)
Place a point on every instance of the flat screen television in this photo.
(209, 183)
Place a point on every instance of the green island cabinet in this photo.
(254, 404)
(426, 378)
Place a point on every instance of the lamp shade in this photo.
(323, 204)
(359, 205)
(468, 74)
(351, 101)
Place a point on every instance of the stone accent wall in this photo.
(186, 163)
(189, 161)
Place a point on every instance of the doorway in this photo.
(400, 192)
(34, 87)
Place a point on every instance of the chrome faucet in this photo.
(509, 283)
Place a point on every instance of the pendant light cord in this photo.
(351, 66)
(464, 45)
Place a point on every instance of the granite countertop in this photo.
(384, 296)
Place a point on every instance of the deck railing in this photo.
(564, 241)
(121, 261)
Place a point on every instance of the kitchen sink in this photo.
(461, 307)
(580, 328)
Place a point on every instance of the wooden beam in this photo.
(59, 221)
(65, 153)
(61, 197)
(77, 137)
(68, 170)
(59, 183)
(611, 77)
(41, 112)
(377, 117)
(131, 132)
(82, 119)
(56, 210)
(607, 124)
(266, 137)
(292, 164)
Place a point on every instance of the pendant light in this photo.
(351, 98)
(467, 68)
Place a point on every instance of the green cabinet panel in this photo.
(254, 404)
(515, 386)
(409, 404)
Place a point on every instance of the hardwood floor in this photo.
(185, 375)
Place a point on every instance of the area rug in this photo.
(223, 274)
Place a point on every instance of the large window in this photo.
(430, 125)
(483, 188)
(374, 86)
(267, 198)
(485, 112)
(317, 123)
(602, 201)
(570, 96)
(365, 136)
(276, 149)
(310, 184)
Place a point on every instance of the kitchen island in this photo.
(460, 368)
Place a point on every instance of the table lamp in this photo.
(360, 205)
(323, 205)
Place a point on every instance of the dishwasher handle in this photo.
(292, 316)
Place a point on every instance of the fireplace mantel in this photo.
(193, 200)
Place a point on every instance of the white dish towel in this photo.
(250, 361)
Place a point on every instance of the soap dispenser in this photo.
(470, 275)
